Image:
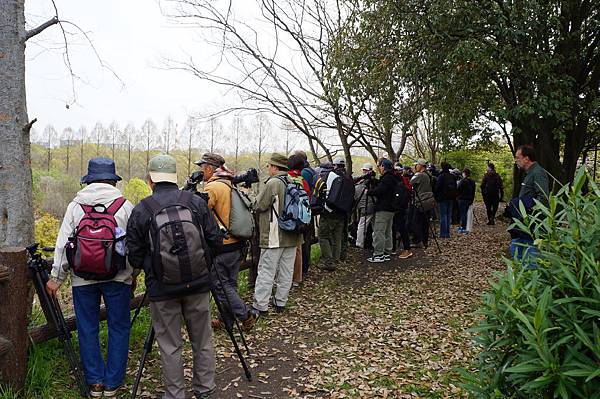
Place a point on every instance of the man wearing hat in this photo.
(218, 185)
(102, 377)
(277, 246)
(170, 304)
(423, 189)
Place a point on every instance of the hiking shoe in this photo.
(377, 259)
(96, 390)
(217, 324)
(278, 308)
(295, 285)
(204, 395)
(249, 323)
(111, 392)
(405, 254)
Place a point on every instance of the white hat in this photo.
(367, 166)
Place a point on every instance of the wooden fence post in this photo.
(15, 305)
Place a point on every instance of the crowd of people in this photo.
(187, 246)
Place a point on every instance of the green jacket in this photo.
(535, 184)
(271, 196)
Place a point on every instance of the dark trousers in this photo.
(421, 226)
(308, 236)
(225, 283)
(400, 227)
(491, 206)
(463, 206)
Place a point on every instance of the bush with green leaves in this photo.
(540, 328)
(136, 190)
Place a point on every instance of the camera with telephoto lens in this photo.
(191, 184)
(367, 179)
(247, 178)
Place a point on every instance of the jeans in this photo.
(445, 218)
(86, 301)
(523, 249)
(463, 206)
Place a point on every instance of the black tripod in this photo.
(228, 327)
(431, 225)
(39, 269)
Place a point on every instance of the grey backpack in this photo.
(176, 241)
(241, 220)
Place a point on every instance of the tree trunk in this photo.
(16, 208)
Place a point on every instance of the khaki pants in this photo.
(297, 278)
(166, 320)
(382, 233)
(276, 266)
(331, 231)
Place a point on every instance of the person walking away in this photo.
(423, 202)
(278, 247)
(365, 207)
(465, 196)
(218, 184)
(172, 236)
(296, 164)
(492, 191)
(77, 255)
(383, 194)
(339, 195)
(445, 194)
(535, 186)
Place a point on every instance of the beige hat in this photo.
(421, 162)
(163, 168)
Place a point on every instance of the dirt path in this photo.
(397, 329)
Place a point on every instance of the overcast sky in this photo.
(131, 36)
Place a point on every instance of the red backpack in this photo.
(91, 250)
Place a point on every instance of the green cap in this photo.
(163, 168)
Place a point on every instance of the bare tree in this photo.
(262, 129)
(190, 133)
(50, 135)
(149, 135)
(67, 138)
(169, 130)
(113, 134)
(128, 138)
(82, 134)
(98, 136)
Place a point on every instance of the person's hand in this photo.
(52, 287)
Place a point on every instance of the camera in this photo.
(191, 184)
(247, 178)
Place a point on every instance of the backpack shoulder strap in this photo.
(152, 205)
(86, 208)
(115, 206)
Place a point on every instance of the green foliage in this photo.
(136, 190)
(46, 230)
(540, 331)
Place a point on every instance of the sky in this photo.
(132, 38)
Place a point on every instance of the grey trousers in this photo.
(276, 266)
(382, 233)
(166, 320)
(228, 266)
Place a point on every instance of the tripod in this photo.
(431, 226)
(228, 327)
(39, 270)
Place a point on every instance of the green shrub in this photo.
(46, 230)
(136, 190)
(540, 328)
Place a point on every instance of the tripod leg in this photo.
(147, 348)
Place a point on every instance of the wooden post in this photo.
(15, 305)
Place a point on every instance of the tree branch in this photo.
(36, 31)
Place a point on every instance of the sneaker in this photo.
(96, 390)
(204, 395)
(111, 392)
(405, 254)
(217, 324)
(377, 259)
(295, 285)
(249, 323)
(278, 308)
(387, 256)
(459, 230)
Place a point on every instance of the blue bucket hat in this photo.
(100, 169)
(387, 164)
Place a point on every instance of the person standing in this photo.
(219, 185)
(296, 164)
(172, 236)
(466, 196)
(383, 194)
(103, 377)
(445, 194)
(278, 247)
(424, 202)
(365, 206)
(311, 176)
(492, 191)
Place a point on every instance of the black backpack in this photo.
(341, 194)
(319, 194)
(401, 196)
(177, 241)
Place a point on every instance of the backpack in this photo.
(319, 195)
(401, 197)
(241, 219)
(177, 245)
(92, 248)
(296, 213)
(340, 196)
(314, 177)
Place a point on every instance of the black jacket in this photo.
(491, 186)
(445, 187)
(466, 190)
(384, 192)
(138, 242)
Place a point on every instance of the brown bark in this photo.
(15, 300)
